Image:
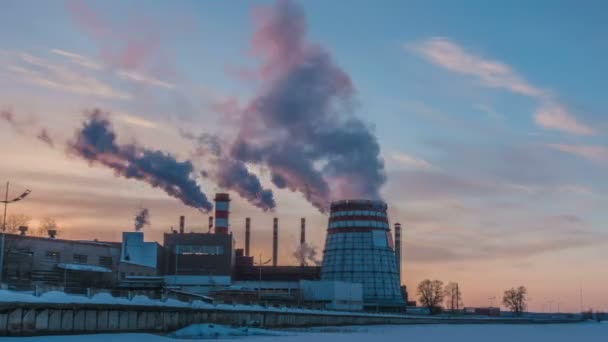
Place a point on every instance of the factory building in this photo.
(359, 249)
(360, 267)
(32, 260)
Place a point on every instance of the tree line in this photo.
(14, 221)
(432, 294)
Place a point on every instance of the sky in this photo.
(482, 125)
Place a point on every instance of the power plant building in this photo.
(359, 268)
(359, 249)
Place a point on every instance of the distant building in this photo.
(199, 262)
(140, 265)
(32, 260)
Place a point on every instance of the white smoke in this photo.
(306, 254)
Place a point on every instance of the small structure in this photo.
(486, 311)
(332, 295)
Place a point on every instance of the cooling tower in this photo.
(359, 249)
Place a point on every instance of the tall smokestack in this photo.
(302, 237)
(247, 235)
(398, 248)
(210, 224)
(182, 223)
(275, 242)
(222, 212)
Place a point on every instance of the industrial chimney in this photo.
(222, 212)
(210, 224)
(182, 223)
(247, 235)
(398, 248)
(275, 242)
(302, 237)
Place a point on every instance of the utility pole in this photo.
(260, 264)
(2, 243)
(581, 297)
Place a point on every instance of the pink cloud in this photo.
(598, 154)
(557, 117)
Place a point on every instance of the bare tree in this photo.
(453, 297)
(431, 294)
(515, 299)
(46, 224)
(14, 221)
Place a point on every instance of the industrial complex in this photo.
(360, 269)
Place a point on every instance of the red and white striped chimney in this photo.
(222, 213)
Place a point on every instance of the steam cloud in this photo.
(96, 142)
(233, 174)
(300, 126)
(307, 253)
(142, 219)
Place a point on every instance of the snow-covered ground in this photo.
(57, 297)
(417, 333)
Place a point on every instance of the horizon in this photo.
(482, 127)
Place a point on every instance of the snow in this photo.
(206, 331)
(57, 297)
(387, 333)
(86, 268)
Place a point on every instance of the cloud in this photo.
(496, 74)
(78, 59)
(143, 79)
(409, 161)
(598, 154)
(135, 120)
(38, 71)
(556, 117)
(129, 75)
(447, 54)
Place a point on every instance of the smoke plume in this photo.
(7, 116)
(307, 254)
(301, 124)
(96, 142)
(25, 127)
(232, 174)
(44, 136)
(142, 219)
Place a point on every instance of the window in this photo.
(80, 258)
(200, 250)
(52, 256)
(105, 261)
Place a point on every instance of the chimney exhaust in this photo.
(302, 236)
(247, 235)
(182, 223)
(275, 242)
(398, 248)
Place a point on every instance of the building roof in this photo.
(84, 268)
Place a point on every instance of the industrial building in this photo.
(359, 249)
(359, 269)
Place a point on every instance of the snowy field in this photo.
(417, 333)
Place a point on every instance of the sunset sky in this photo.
(491, 118)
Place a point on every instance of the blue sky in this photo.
(491, 117)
